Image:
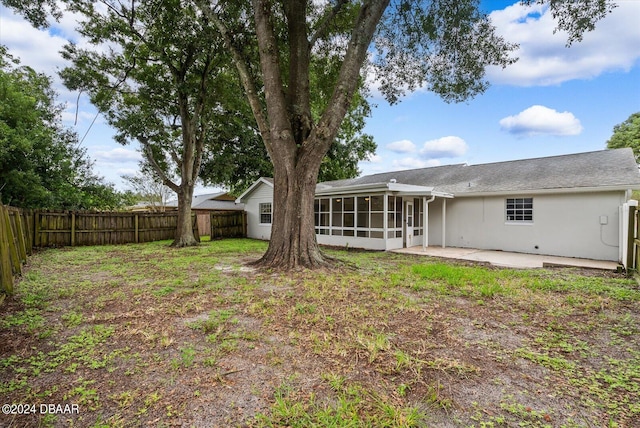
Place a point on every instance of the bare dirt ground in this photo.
(151, 336)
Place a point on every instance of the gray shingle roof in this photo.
(605, 168)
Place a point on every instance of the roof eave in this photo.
(559, 190)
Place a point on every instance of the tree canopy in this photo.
(41, 163)
(627, 134)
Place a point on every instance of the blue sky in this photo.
(554, 100)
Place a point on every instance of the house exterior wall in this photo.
(256, 230)
(563, 225)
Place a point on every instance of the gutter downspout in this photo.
(425, 222)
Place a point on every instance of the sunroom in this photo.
(377, 216)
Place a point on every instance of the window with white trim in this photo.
(265, 213)
(519, 210)
(321, 208)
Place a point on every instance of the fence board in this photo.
(228, 224)
(57, 229)
(15, 244)
(6, 271)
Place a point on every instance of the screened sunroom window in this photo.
(519, 210)
(361, 216)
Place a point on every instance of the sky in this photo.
(554, 100)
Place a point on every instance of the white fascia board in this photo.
(557, 191)
(357, 188)
(251, 188)
(407, 189)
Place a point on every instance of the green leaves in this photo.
(41, 165)
(627, 134)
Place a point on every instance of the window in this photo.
(361, 216)
(342, 216)
(265, 213)
(520, 210)
(418, 219)
(370, 215)
(321, 209)
(394, 217)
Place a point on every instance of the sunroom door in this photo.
(408, 224)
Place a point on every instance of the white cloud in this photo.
(413, 163)
(117, 155)
(445, 147)
(373, 158)
(544, 58)
(402, 146)
(541, 120)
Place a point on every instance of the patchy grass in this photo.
(148, 335)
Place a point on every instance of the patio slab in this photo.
(507, 259)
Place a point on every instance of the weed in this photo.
(188, 355)
(373, 344)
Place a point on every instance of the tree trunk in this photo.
(293, 240)
(184, 228)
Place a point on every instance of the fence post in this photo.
(36, 229)
(13, 244)
(6, 274)
(137, 228)
(244, 224)
(73, 228)
(629, 262)
(20, 235)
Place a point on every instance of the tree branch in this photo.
(148, 154)
(325, 22)
(298, 93)
(247, 80)
(349, 76)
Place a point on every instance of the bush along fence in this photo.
(22, 230)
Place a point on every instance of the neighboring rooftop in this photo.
(613, 169)
(211, 201)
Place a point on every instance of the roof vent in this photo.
(393, 180)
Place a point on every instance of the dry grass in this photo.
(146, 335)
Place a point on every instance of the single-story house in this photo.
(568, 205)
(204, 205)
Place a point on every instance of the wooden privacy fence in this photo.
(16, 243)
(22, 230)
(228, 224)
(71, 228)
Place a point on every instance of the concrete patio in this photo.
(507, 259)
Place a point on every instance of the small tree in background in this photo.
(149, 190)
(627, 134)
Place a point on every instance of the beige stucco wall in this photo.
(564, 225)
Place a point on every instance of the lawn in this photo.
(147, 335)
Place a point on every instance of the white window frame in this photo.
(518, 210)
(263, 205)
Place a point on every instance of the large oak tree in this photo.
(441, 45)
(444, 45)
